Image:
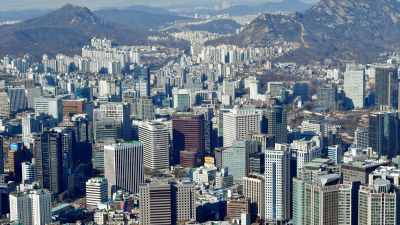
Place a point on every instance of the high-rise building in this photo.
(383, 134)
(238, 122)
(303, 152)
(236, 207)
(254, 190)
(28, 172)
(361, 138)
(277, 184)
(354, 89)
(108, 128)
(328, 201)
(188, 133)
(31, 207)
(48, 161)
(301, 89)
(85, 93)
(31, 95)
(335, 153)
(278, 90)
(237, 159)
(255, 87)
(26, 83)
(144, 73)
(96, 191)
(17, 99)
(164, 202)
(1, 156)
(50, 105)
(146, 108)
(73, 107)
(35, 123)
(359, 171)
(386, 89)
(229, 88)
(275, 123)
(327, 97)
(117, 111)
(154, 136)
(4, 106)
(123, 165)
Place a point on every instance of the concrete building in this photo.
(235, 208)
(238, 122)
(73, 107)
(303, 152)
(254, 190)
(146, 108)
(17, 99)
(354, 89)
(327, 97)
(359, 171)
(4, 106)
(31, 207)
(28, 172)
(123, 166)
(278, 90)
(386, 89)
(164, 202)
(361, 138)
(335, 153)
(277, 184)
(116, 111)
(255, 87)
(50, 105)
(237, 159)
(274, 122)
(96, 191)
(154, 136)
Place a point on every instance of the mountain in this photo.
(138, 19)
(66, 31)
(344, 29)
(223, 26)
(283, 6)
(149, 9)
(21, 14)
(236, 10)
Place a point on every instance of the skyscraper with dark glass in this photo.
(85, 92)
(386, 88)
(383, 135)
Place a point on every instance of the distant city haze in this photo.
(95, 4)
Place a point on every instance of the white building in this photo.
(277, 183)
(304, 152)
(254, 189)
(204, 175)
(50, 105)
(354, 89)
(31, 207)
(116, 111)
(238, 122)
(154, 136)
(255, 87)
(334, 74)
(335, 153)
(96, 191)
(28, 172)
(123, 165)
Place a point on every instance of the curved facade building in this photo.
(188, 158)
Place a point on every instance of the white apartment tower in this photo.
(31, 207)
(277, 183)
(238, 122)
(123, 165)
(154, 137)
(96, 191)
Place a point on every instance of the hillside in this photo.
(138, 19)
(224, 26)
(65, 31)
(345, 29)
(21, 14)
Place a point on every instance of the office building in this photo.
(188, 133)
(264, 141)
(28, 172)
(1, 156)
(386, 89)
(229, 89)
(301, 89)
(189, 158)
(50, 105)
(17, 99)
(277, 90)
(361, 138)
(236, 207)
(327, 97)
(237, 159)
(48, 161)
(4, 106)
(254, 190)
(303, 152)
(116, 111)
(354, 89)
(108, 128)
(26, 83)
(15, 158)
(255, 87)
(329, 202)
(123, 166)
(238, 122)
(257, 163)
(85, 93)
(274, 122)
(383, 133)
(378, 203)
(298, 188)
(31, 207)
(146, 108)
(360, 171)
(143, 73)
(96, 191)
(73, 107)
(277, 184)
(31, 96)
(154, 136)
(335, 153)
(164, 202)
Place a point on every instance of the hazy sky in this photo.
(26, 4)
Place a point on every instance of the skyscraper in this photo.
(275, 123)
(154, 137)
(386, 89)
(383, 134)
(361, 138)
(301, 89)
(146, 108)
(254, 190)
(238, 122)
(123, 165)
(85, 92)
(48, 161)
(50, 105)
(277, 184)
(117, 111)
(237, 159)
(4, 106)
(96, 191)
(1, 156)
(188, 133)
(354, 89)
(31, 207)
(17, 99)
